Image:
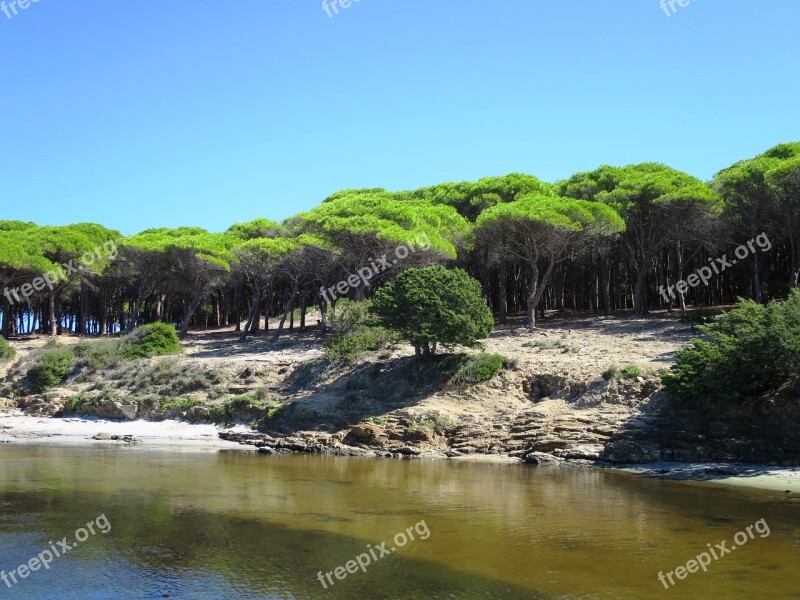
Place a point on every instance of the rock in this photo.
(102, 436)
(581, 452)
(630, 451)
(421, 434)
(409, 451)
(265, 450)
(541, 459)
(364, 433)
(196, 413)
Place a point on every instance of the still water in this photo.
(237, 525)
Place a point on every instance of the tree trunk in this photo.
(640, 289)
(534, 294)
(289, 308)
(253, 314)
(53, 323)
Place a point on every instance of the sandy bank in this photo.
(19, 428)
(765, 477)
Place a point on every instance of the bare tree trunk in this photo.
(289, 308)
(640, 289)
(53, 323)
(253, 314)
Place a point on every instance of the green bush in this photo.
(700, 316)
(76, 402)
(51, 368)
(479, 367)
(6, 351)
(349, 316)
(349, 347)
(181, 403)
(630, 371)
(627, 371)
(750, 351)
(433, 306)
(155, 339)
(98, 355)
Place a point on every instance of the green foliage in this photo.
(750, 351)
(357, 217)
(699, 316)
(155, 339)
(630, 371)
(7, 353)
(479, 368)
(439, 423)
(356, 331)
(51, 368)
(97, 355)
(75, 403)
(349, 316)
(625, 372)
(349, 347)
(434, 305)
(181, 403)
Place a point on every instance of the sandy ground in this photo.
(19, 428)
(784, 479)
(580, 346)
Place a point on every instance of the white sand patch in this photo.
(18, 428)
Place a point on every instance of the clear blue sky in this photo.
(191, 112)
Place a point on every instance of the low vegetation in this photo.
(7, 353)
(478, 368)
(622, 372)
(751, 351)
(52, 368)
(355, 332)
(155, 339)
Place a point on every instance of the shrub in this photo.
(479, 367)
(155, 339)
(77, 402)
(627, 371)
(612, 372)
(181, 403)
(350, 346)
(630, 371)
(700, 316)
(51, 368)
(97, 355)
(6, 351)
(349, 316)
(750, 351)
(433, 306)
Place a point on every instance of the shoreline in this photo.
(18, 428)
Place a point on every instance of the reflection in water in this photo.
(237, 525)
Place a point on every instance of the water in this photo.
(236, 525)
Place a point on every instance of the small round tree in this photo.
(434, 305)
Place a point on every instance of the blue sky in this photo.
(191, 112)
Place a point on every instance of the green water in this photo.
(237, 525)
